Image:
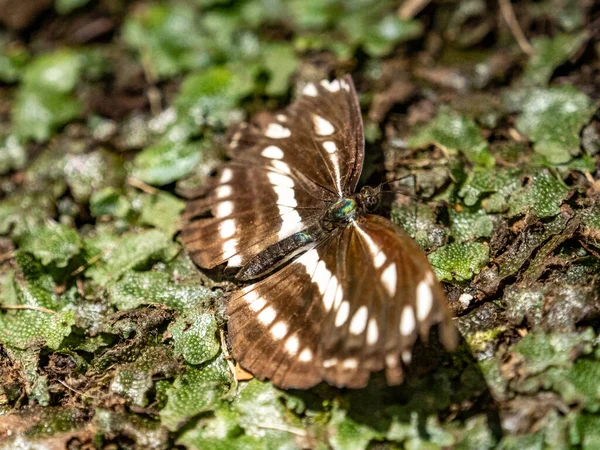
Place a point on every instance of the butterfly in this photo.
(336, 292)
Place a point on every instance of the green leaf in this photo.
(381, 39)
(542, 196)
(420, 224)
(459, 262)
(348, 434)
(477, 435)
(585, 431)
(549, 53)
(13, 59)
(165, 163)
(140, 431)
(495, 183)
(38, 113)
(68, 6)
(162, 210)
(109, 202)
(168, 37)
(198, 390)
(580, 384)
(195, 336)
(138, 288)
(262, 411)
(58, 72)
(135, 380)
(541, 350)
(52, 243)
(552, 119)
(28, 329)
(281, 62)
(210, 97)
(112, 257)
(467, 225)
(88, 172)
(454, 133)
(12, 154)
(590, 220)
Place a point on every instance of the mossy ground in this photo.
(111, 111)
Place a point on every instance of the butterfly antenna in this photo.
(412, 194)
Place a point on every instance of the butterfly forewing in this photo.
(283, 175)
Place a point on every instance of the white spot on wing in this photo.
(323, 127)
(257, 304)
(389, 277)
(310, 90)
(330, 362)
(329, 295)
(227, 228)
(322, 276)
(359, 320)
(424, 300)
(309, 260)
(391, 360)
(336, 169)
(224, 209)
(281, 166)
(278, 179)
(223, 191)
(350, 363)
(372, 332)
(292, 345)
(330, 146)
(407, 321)
(378, 255)
(342, 314)
(281, 117)
(406, 356)
(267, 316)
(339, 296)
(273, 152)
(285, 196)
(229, 248)
(277, 131)
(279, 330)
(226, 176)
(306, 355)
(331, 86)
(291, 220)
(235, 260)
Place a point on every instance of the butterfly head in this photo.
(369, 198)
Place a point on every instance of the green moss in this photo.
(549, 53)
(479, 340)
(553, 118)
(459, 262)
(166, 163)
(198, 390)
(455, 133)
(542, 196)
(44, 102)
(52, 243)
(110, 256)
(195, 336)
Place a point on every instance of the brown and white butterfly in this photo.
(337, 292)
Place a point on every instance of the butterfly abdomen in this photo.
(279, 253)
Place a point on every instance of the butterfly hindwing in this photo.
(282, 176)
(352, 305)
